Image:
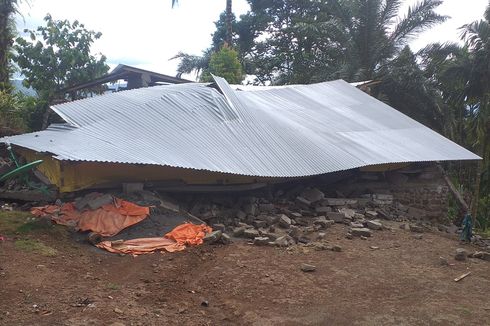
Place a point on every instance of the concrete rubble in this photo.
(301, 215)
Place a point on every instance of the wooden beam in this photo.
(453, 189)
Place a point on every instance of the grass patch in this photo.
(35, 246)
(113, 286)
(11, 221)
(17, 222)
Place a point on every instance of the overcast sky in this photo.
(147, 33)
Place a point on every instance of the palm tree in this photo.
(477, 90)
(7, 9)
(463, 76)
(373, 33)
(228, 21)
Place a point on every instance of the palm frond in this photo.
(418, 18)
(192, 63)
(476, 34)
(389, 11)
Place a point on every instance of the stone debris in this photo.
(416, 228)
(251, 233)
(284, 221)
(307, 268)
(480, 255)
(374, 225)
(313, 195)
(418, 236)
(261, 241)
(360, 232)
(213, 237)
(336, 248)
(443, 261)
(304, 214)
(323, 209)
(336, 217)
(461, 254)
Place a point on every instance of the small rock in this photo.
(481, 255)
(308, 268)
(416, 228)
(374, 247)
(237, 232)
(323, 222)
(205, 303)
(212, 237)
(261, 241)
(363, 237)
(371, 214)
(283, 241)
(336, 217)
(225, 239)
(259, 223)
(118, 311)
(321, 235)
(323, 209)
(356, 225)
(418, 236)
(251, 233)
(360, 232)
(219, 226)
(313, 195)
(374, 225)
(336, 248)
(302, 202)
(284, 221)
(461, 254)
(296, 215)
(348, 212)
(443, 261)
(349, 236)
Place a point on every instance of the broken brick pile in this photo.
(300, 216)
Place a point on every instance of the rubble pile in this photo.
(301, 215)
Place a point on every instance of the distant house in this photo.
(125, 77)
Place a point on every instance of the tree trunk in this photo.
(6, 10)
(228, 19)
(479, 170)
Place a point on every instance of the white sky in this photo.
(147, 33)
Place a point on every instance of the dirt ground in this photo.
(48, 278)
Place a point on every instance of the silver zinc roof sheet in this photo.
(278, 132)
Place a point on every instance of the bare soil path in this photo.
(46, 278)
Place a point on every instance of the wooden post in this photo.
(453, 189)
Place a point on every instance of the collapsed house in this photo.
(195, 134)
(340, 156)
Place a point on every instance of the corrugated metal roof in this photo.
(284, 132)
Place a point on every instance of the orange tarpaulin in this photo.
(189, 233)
(107, 220)
(175, 240)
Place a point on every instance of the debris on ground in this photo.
(461, 254)
(308, 268)
(459, 278)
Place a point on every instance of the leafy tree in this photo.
(58, 56)
(224, 63)
(406, 87)
(7, 31)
